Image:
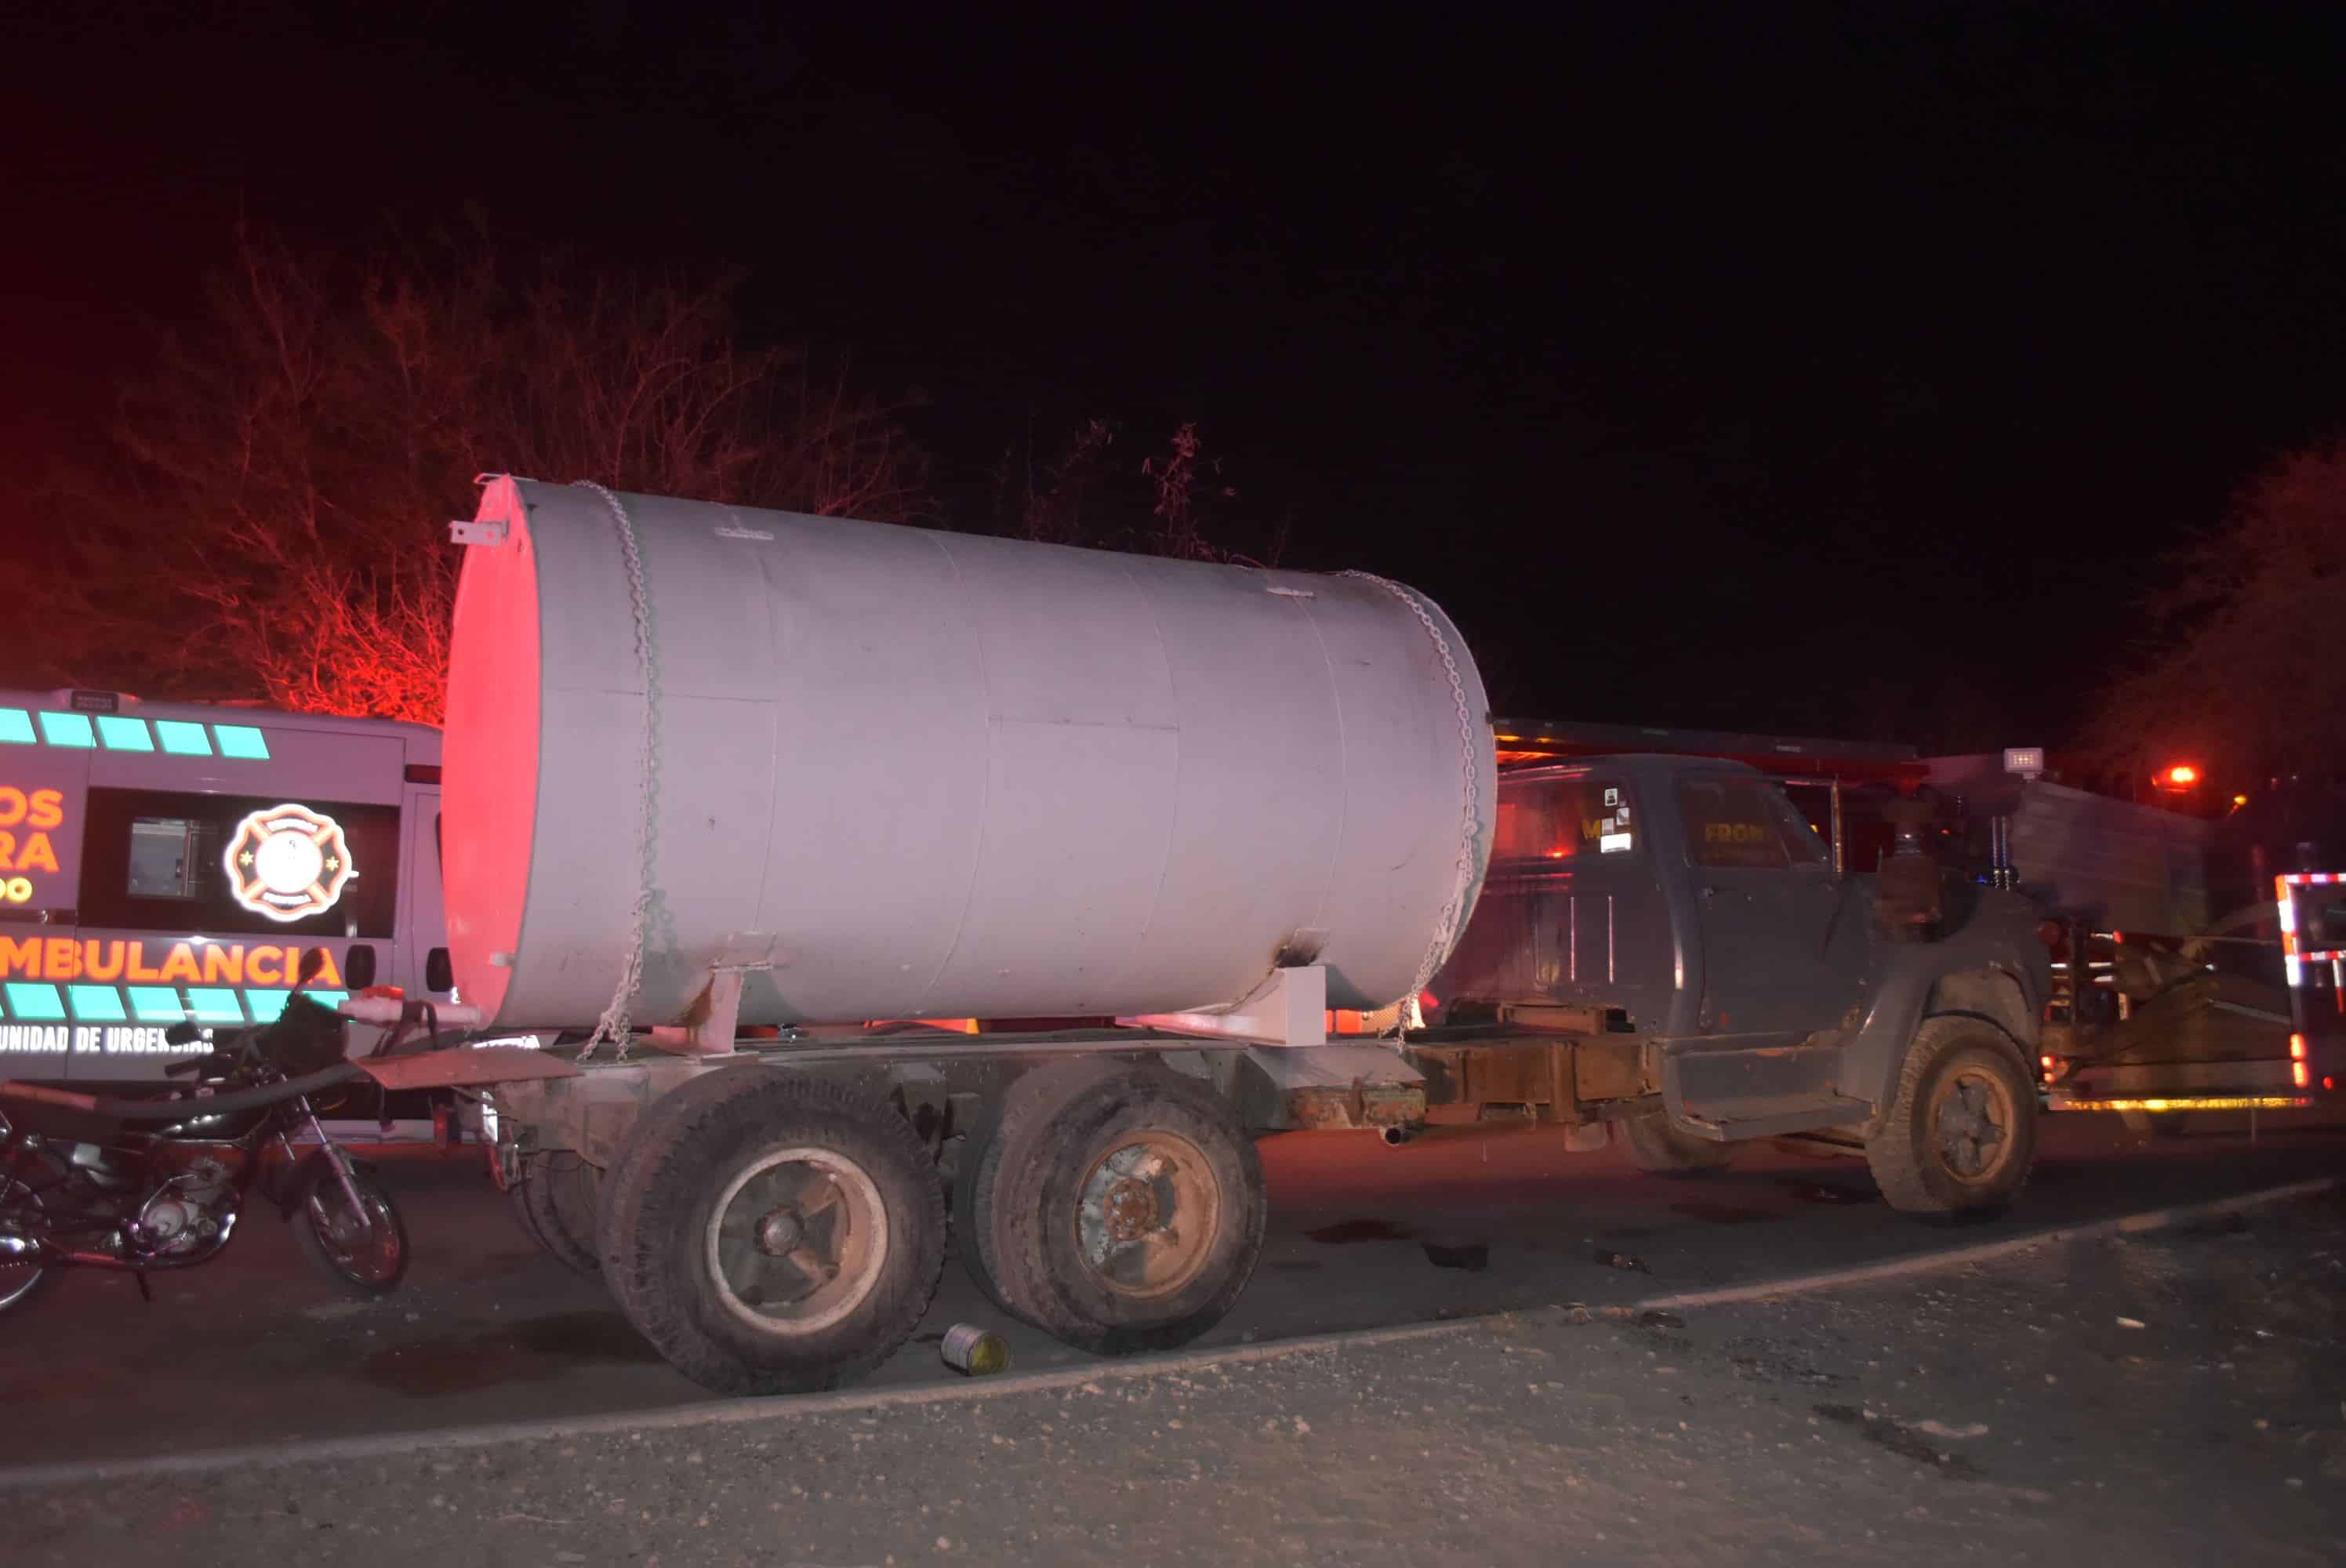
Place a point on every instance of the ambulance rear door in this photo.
(212, 857)
(45, 746)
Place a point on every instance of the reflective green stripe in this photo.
(157, 1005)
(16, 727)
(96, 1005)
(122, 734)
(241, 741)
(181, 738)
(267, 1005)
(214, 1004)
(31, 1000)
(67, 729)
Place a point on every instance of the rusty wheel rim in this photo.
(1973, 1118)
(1146, 1214)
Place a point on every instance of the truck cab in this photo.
(1700, 972)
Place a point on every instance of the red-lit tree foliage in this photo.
(1174, 502)
(2246, 667)
(279, 529)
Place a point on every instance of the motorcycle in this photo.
(147, 1184)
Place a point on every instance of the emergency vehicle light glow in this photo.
(37, 1001)
(2187, 1103)
(126, 732)
(181, 738)
(67, 729)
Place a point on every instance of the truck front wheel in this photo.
(1118, 1208)
(770, 1233)
(1960, 1132)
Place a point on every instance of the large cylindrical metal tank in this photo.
(898, 773)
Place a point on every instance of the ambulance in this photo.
(166, 862)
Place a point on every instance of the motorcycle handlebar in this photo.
(216, 1105)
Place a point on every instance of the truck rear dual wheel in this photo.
(770, 1233)
(554, 1198)
(1960, 1132)
(1118, 1207)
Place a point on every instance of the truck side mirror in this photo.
(182, 1033)
(1907, 896)
(313, 965)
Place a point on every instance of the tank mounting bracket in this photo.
(1290, 1008)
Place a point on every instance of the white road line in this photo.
(1985, 1251)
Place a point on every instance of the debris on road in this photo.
(979, 1352)
(1473, 1256)
(1622, 1261)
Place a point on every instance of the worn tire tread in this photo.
(675, 1154)
(551, 1197)
(1042, 1121)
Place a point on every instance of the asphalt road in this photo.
(2176, 1397)
(255, 1349)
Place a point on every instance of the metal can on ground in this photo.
(975, 1350)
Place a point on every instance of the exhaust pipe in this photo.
(1396, 1136)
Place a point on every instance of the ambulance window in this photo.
(165, 861)
(162, 858)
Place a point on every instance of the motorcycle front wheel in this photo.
(21, 1216)
(364, 1252)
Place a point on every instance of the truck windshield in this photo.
(1564, 819)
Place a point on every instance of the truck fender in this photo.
(1990, 993)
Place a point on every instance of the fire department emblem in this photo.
(288, 862)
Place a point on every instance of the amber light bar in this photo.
(2191, 1102)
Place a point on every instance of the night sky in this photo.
(1772, 367)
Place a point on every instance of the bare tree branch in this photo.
(279, 528)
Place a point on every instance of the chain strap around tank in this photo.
(1454, 911)
(614, 1025)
